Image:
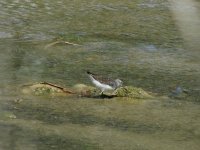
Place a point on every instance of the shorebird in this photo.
(104, 84)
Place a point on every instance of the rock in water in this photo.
(132, 92)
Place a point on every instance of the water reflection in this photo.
(186, 13)
(138, 42)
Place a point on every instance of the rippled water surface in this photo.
(147, 44)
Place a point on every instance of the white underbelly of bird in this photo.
(104, 85)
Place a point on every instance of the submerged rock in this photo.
(7, 115)
(179, 93)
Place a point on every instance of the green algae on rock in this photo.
(5, 115)
(132, 92)
(85, 90)
(45, 88)
(126, 91)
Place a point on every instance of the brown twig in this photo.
(70, 43)
(60, 42)
(52, 44)
(59, 87)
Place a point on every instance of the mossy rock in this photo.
(85, 90)
(5, 115)
(127, 91)
(132, 92)
(40, 89)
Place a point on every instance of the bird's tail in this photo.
(89, 73)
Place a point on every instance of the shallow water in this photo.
(142, 42)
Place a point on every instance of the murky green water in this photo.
(140, 42)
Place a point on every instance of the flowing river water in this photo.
(150, 44)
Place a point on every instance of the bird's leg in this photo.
(102, 92)
(114, 92)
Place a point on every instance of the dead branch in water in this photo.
(60, 42)
(70, 43)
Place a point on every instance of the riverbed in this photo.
(147, 44)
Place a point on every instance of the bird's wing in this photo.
(102, 79)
